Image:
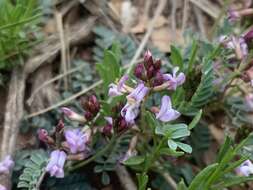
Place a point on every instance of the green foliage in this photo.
(215, 175)
(34, 168)
(176, 57)
(74, 181)
(142, 181)
(107, 162)
(109, 69)
(14, 31)
(204, 90)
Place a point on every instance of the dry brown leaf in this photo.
(162, 38)
(217, 133)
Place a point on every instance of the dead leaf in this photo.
(162, 38)
(217, 133)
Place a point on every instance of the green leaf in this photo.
(224, 149)
(195, 120)
(98, 168)
(173, 131)
(200, 179)
(193, 54)
(185, 147)
(176, 57)
(105, 178)
(181, 185)
(135, 160)
(170, 152)
(172, 144)
(142, 181)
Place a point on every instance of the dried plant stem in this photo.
(40, 179)
(125, 178)
(64, 67)
(207, 7)
(69, 99)
(185, 15)
(200, 21)
(144, 41)
(30, 100)
(173, 19)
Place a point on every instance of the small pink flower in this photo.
(56, 163)
(73, 115)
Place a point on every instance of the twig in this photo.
(200, 21)
(125, 178)
(59, 23)
(73, 97)
(207, 7)
(144, 41)
(30, 100)
(166, 175)
(63, 102)
(173, 19)
(185, 15)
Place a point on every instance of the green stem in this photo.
(20, 22)
(99, 153)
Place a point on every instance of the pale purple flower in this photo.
(2, 187)
(56, 163)
(73, 115)
(6, 165)
(235, 43)
(233, 15)
(76, 140)
(138, 93)
(245, 169)
(167, 113)
(174, 80)
(117, 90)
(130, 112)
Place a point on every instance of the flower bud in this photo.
(148, 59)
(122, 124)
(158, 79)
(73, 115)
(44, 137)
(150, 72)
(158, 64)
(43, 134)
(249, 35)
(139, 71)
(88, 116)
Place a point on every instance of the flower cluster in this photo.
(6, 165)
(149, 78)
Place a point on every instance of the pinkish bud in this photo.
(139, 71)
(158, 64)
(151, 72)
(88, 115)
(122, 124)
(249, 35)
(43, 135)
(158, 79)
(148, 59)
(73, 115)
